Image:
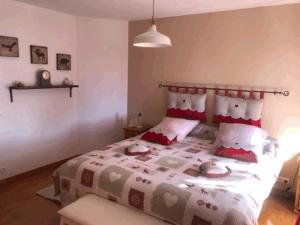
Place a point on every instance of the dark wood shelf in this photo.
(11, 88)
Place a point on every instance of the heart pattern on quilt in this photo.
(172, 161)
(170, 199)
(114, 176)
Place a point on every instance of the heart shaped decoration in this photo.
(170, 199)
(137, 149)
(113, 176)
(212, 170)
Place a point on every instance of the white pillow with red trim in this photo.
(187, 106)
(160, 136)
(170, 130)
(238, 110)
(248, 153)
(240, 141)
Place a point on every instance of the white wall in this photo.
(102, 71)
(44, 126)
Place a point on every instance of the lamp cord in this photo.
(152, 13)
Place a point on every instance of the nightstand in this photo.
(132, 131)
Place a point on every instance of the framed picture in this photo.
(9, 46)
(63, 61)
(38, 54)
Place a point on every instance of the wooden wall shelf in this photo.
(11, 88)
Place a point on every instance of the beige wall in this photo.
(254, 47)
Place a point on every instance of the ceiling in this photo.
(142, 9)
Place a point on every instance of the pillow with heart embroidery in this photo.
(238, 110)
(212, 170)
(240, 141)
(187, 106)
(137, 149)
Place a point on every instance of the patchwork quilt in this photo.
(166, 183)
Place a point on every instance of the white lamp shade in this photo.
(152, 39)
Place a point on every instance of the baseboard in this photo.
(33, 172)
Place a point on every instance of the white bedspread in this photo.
(167, 184)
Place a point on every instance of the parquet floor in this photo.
(19, 205)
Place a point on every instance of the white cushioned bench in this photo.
(93, 210)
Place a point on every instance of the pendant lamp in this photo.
(152, 38)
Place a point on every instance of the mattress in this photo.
(167, 184)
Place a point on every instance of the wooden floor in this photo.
(19, 205)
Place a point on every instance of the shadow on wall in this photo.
(94, 135)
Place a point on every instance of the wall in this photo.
(44, 126)
(102, 72)
(254, 47)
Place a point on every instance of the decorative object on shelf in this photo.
(9, 46)
(11, 88)
(44, 78)
(67, 82)
(152, 38)
(63, 61)
(18, 84)
(136, 122)
(39, 54)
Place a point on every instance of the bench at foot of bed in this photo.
(95, 210)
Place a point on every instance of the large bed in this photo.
(167, 184)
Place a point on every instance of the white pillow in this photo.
(242, 134)
(187, 106)
(204, 131)
(238, 110)
(181, 127)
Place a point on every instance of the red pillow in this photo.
(236, 153)
(160, 136)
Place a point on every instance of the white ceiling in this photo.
(142, 9)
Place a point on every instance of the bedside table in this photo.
(132, 131)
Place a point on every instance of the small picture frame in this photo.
(63, 61)
(38, 54)
(9, 46)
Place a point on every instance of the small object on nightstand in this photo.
(133, 131)
(136, 122)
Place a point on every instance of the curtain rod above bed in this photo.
(226, 90)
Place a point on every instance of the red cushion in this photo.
(186, 114)
(229, 119)
(240, 154)
(157, 138)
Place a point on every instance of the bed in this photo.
(166, 183)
